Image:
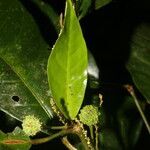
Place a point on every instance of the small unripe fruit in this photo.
(89, 115)
(31, 125)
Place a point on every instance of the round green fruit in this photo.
(89, 115)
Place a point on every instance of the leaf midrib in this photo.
(68, 62)
(19, 75)
(27, 85)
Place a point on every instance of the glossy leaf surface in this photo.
(23, 48)
(67, 66)
(15, 98)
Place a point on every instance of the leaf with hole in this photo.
(23, 48)
(67, 66)
(15, 98)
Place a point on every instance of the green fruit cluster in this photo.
(89, 115)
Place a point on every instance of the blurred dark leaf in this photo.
(101, 3)
(48, 10)
(109, 140)
(83, 7)
(139, 60)
(129, 123)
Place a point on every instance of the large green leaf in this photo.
(139, 60)
(67, 66)
(17, 140)
(25, 51)
(15, 98)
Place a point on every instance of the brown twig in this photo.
(68, 144)
(132, 93)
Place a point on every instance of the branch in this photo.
(68, 144)
(132, 93)
(49, 138)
